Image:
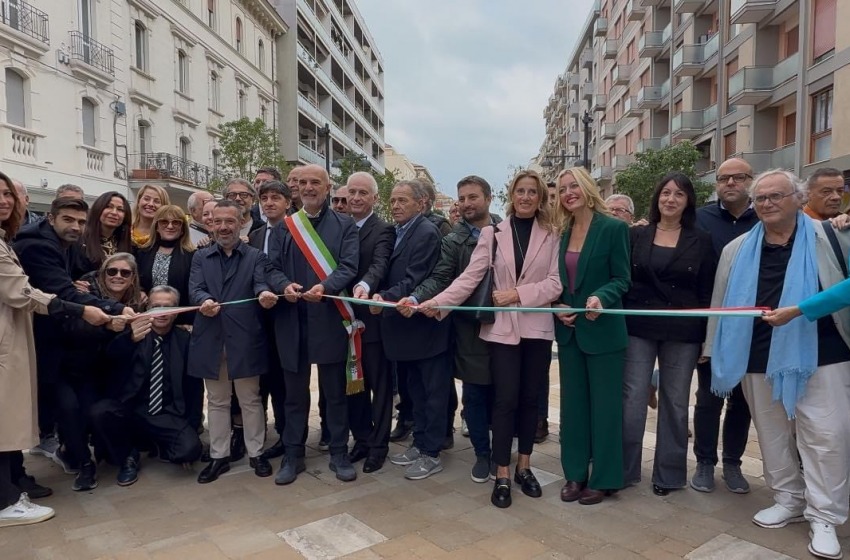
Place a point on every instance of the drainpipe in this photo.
(802, 78)
(722, 100)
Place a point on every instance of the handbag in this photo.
(482, 296)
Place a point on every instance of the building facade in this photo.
(762, 80)
(334, 95)
(128, 92)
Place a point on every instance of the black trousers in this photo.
(736, 424)
(518, 370)
(9, 493)
(122, 429)
(297, 406)
(272, 385)
(370, 412)
(405, 406)
(430, 382)
(75, 397)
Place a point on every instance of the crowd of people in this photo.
(105, 372)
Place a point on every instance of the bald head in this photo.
(313, 186)
(734, 177)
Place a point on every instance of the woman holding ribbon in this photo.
(594, 269)
(672, 268)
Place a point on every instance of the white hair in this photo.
(629, 202)
(192, 203)
(797, 185)
(373, 184)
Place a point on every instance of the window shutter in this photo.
(824, 27)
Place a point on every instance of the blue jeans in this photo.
(477, 403)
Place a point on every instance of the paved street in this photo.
(168, 515)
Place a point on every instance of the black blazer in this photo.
(327, 340)
(377, 238)
(411, 262)
(178, 275)
(685, 283)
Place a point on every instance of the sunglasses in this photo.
(170, 223)
(124, 272)
(339, 200)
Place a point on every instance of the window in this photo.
(185, 148)
(215, 91)
(822, 125)
(182, 72)
(243, 112)
(792, 41)
(216, 159)
(264, 110)
(16, 107)
(141, 37)
(823, 44)
(730, 144)
(211, 14)
(261, 55)
(89, 136)
(239, 35)
(144, 131)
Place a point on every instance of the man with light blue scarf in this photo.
(795, 377)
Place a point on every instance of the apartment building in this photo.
(336, 87)
(757, 79)
(114, 94)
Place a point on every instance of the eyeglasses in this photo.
(774, 198)
(237, 195)
(170, 223)
(124, 272)
(339, 200)
(739, 178)
(620, 211)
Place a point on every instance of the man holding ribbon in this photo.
(796, 370)
(314, 254)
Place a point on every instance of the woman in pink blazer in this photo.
(525, 274)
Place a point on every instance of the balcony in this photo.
(630, 107)
(634, 11)
(610, 48)
(175, 169)
(91, 59)
(20, 144)
(602, 173)
(27, 27)
(575, 108)
(650, 3)
(600, 27)
(752, 11)
(651, 44)
(649, 97)
(308, 154)
(609, 131)
(622, 74)
(600, 101)
(779, 158)
(586, 59)
(687, 125)
(657, 143)
(621, 161)
(688, 6)
(690, 60)
(710, 117)
(588, 90)
(574, 138)
(754, 84)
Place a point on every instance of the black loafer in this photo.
(275, 450)
(358, 454)
(530, 487)
(237, 444)
(261, 466)
(659, 491)
(501, 497)
(373, 464)
(213, 470)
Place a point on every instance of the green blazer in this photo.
(604, 271)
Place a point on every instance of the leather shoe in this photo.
(401, 431)
(659, 491)
(129, 471)
(542, 431)
(261, 466)
(571, 491)
(373, 464)
(530, 486)
(213, 470)
(237, 444)
(290, 467)
(501, 496)
(589, 496)
(275, 450)
(358, 454)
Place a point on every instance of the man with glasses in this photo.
(294, 189)
(730, 216)
(242, 193)
(622, 207)
(825, 191)
(339, 199)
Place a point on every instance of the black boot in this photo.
(401, 431)
(237, 443)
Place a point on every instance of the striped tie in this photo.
(157, 370)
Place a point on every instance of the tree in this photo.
(353, 162)
(247, 145)
(639, 178)
(501, 193)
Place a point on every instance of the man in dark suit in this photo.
(263, 174)
(153, 398)
(228, 347)
(275, 200)
(370, 418)
(419, 345)
(309, 328)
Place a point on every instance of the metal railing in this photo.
(161, 165)
(91, 52)
(24, 18)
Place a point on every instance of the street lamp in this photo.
(548, 163)
(586, 120)
(325, 132)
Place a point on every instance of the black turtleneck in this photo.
(521, 236)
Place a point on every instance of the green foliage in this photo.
(247, 145)
(386, 182)
(500, 194)
(351, 163)
(638, 180)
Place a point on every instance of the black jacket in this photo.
(685, 283)
(178, 275)
(376, 245)
(442, 223)
(723, 226)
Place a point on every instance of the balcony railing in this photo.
(656, 143)
(751, 11)
(600, 101)
(87, 50)
(170, 167)
(650, 44)
(622, 161)
(610, 48)
(635, 11)
(779, 158)
(754, 84)
(600, 28)
(689, 60)
(687, 124)
(622, 74)
(22, 17)
(649, 97)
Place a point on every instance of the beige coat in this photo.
(18, 402)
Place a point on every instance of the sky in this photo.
(466, 81)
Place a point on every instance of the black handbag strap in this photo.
(495, 244)
(836, 247)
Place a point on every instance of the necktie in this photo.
(157, 371)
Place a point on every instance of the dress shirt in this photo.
(401, 229)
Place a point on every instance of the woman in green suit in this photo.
(594, 266)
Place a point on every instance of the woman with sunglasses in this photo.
(165, 260)
(149, 199)
(107, 231)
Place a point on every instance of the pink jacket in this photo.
(538, 286)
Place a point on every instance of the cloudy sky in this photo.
(466, 81)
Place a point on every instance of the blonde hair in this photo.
(163, 197)
(544, 211)
(593, 198)
(170, 212)
(133, 295)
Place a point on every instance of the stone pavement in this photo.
(167, 515)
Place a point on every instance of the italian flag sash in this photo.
(322, 262)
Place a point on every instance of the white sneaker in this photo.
(47, 447)
(24, 512)
(824, 543)
(777, 516)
